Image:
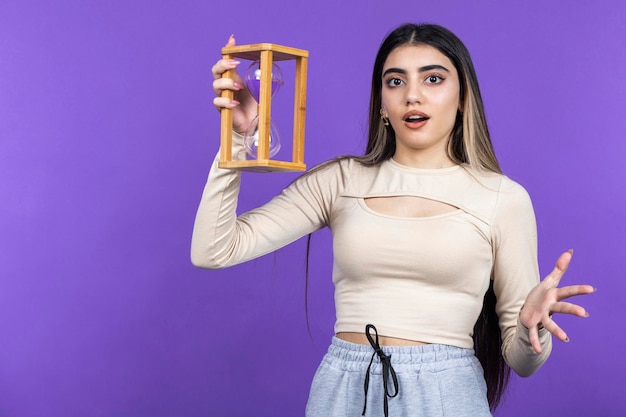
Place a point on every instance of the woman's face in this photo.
(420, 96)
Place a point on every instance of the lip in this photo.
(418, 124)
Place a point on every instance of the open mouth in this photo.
(415, 118)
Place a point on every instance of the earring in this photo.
(383, 117)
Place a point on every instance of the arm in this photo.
(525, 305)
(221, 238)
(515, 273)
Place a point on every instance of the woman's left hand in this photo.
(545, 299)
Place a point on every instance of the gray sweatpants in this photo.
(433, 380)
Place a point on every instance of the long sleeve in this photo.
(515, 274)
(221, 238)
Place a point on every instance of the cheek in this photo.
(449, 104)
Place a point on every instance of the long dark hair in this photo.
(469, 144)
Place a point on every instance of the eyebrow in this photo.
(420, 69)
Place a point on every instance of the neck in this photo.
(425, 160)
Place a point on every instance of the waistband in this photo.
(354, 355)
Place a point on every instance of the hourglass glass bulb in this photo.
(253, 82)
(251, 139)
(253, 79)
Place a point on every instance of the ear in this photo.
(383, 113)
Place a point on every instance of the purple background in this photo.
(107, 131)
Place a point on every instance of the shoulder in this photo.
(513, 203)
(332, 177)
(495, 195)
(501, 185)
(343, 167)
(513, 193)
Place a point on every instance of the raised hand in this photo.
(243, 105)
(545, 299)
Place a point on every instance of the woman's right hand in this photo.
(243, 105)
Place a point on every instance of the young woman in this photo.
(426, 231)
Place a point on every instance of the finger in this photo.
(562, 263)
(222, 66)
(224, 103)
(226, 84)
(569, 308)
(231, 41)
(533, 333)
(573, 290)
(554, 328)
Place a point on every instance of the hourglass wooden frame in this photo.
(266, 53)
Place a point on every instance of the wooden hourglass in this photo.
(263, 75)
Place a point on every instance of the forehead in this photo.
(416, 56)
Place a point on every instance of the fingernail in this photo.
(238, 86)
(235, 102)
(566, 340)
(571, 251)
(232, 36)
(586, 314)
(234, 62)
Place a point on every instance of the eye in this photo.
(434, 79)
(394, 82)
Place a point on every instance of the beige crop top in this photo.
(417, 278)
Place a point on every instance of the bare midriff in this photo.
(361, 338)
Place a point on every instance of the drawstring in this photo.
(387, 369)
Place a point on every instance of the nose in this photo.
(413, 95)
